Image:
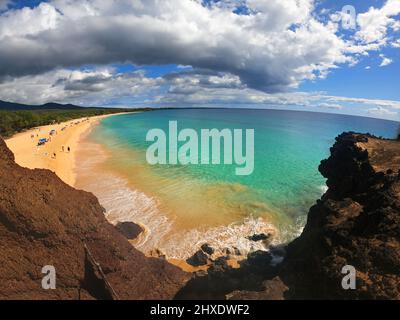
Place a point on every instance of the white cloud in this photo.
(396, 43)
(361, 101)
(374, 23)
(380, 111)
(224, 58)
(331, 106)
(385, 61)
(86, 87)
(26, 21)
(275, 48)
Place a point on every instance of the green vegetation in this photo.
(12, 122)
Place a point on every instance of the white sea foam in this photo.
(220, 238)
(125, 204)
(323, 188)
(130, 205)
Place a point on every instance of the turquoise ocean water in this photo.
(200, 200)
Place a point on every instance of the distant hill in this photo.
(11, 106)
(16, 117)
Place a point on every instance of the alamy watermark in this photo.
(349, 17)
(190, 147)
(49, 280)
(349, 280)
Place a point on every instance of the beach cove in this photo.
(183, 207)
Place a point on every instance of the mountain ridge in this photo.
(13, 106)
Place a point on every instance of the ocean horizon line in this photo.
(253, 109)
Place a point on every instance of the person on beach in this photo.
(69, 149)
(54, 155)
(62, 148)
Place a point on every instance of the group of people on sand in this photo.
(54, 154)
(54, 132)
(63, 150)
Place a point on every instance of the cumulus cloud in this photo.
(385, 61)
(374, 29)
(229, 52)
(26, 22)
(396, 43)
(374, 23)
(94, 87)
(275, 47)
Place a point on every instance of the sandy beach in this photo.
(54, 155)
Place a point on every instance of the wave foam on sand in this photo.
(123, 204)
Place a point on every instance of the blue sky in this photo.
(357, 81)
(374, 83)
(243, 53)
(24, 3)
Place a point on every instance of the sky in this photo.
(313, 55)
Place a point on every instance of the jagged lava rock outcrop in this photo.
(357, 223)
(43, 221)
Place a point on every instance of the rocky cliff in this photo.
(356, 223)
(44, 222)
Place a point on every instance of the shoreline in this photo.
(54, 155)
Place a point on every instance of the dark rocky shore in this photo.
(357, 222)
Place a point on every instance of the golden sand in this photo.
(54, 154)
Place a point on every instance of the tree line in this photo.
(12, 122)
